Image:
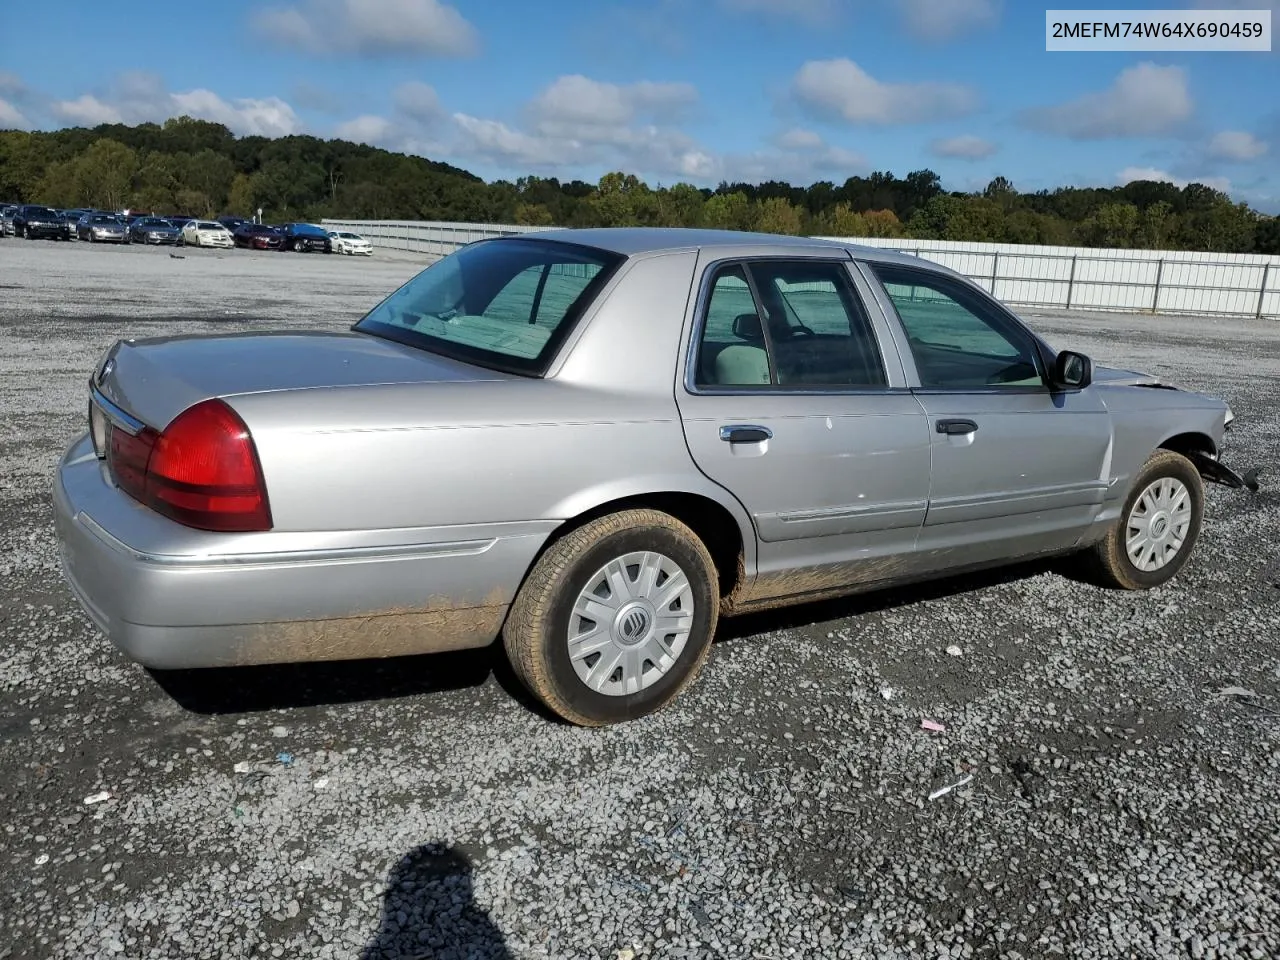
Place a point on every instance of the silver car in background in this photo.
(594, 443)
(101, 228)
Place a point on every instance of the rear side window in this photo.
(507, 303)
(787, 323)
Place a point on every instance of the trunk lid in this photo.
(157, 378)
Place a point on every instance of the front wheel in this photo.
(615, 619)
(1158, 526)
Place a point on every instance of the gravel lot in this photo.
(1119, 806)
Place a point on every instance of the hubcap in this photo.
(630, 623)
(1158, 524)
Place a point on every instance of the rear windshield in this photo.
(506, 304)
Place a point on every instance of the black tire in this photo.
(536, 634)
(1109, 561)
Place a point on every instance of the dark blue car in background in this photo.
(305, 238)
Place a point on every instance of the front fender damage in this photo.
(1218, 472)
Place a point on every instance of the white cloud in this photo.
(412, 127)
(577, 124)
(946, 19)
(369, 27)
(1129, 174)
(1236, 145)
(139, 97)
(579, 100)
(798, 166)
(11, 86)
(11, 118)
(798, 138)
(86, 110)
(494, 140)
(270, 117)
(366, 128)
(964, 147)
(1145, 100)
(418, 101)
(577, 121)
(842, 90)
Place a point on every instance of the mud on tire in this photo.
(1167, 500)
(638, 592)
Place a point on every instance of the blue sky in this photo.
(695, 90)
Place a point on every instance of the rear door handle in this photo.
(745, 433)
(956, 427)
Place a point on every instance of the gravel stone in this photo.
(1118, 807)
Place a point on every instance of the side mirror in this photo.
(1072, 371)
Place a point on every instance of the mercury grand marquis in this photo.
(594, 443)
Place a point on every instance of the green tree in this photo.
(728, 211)
(883, 223)
(104, 174)
(778, 215)
(620, 200)
(533, 215)
(240, 198)
(681, 205)
(1112, 225)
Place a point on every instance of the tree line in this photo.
(199, 168)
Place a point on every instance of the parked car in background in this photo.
(305, 238)
(71, 218)
(258, 236)
(35, 222)
(101, 228)
(232, 223)
(594, 443)
(6, 219)
(152, 230)
(350, 243)
(206, 233)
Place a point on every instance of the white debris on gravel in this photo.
(1118, 795)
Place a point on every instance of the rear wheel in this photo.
(615, 618)
(1158, 528)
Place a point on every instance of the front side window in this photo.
(505, 303)
(794, 323)
(958, 341)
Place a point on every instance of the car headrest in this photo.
(746, 326)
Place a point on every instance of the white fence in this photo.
(1082, 278)
(430, 237)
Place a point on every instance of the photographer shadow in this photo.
(429, 912)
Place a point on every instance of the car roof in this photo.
(632, 241)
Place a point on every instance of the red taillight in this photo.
(202, 471)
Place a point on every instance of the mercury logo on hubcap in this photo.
(633, 624)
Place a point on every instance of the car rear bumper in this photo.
(174, 598)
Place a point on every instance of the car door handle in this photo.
(745, 433)
(956, 427)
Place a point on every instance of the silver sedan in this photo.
(593, 444)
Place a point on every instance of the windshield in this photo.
(41, 212)
(103, 219)
(152, 222)
(507, 303)
(210, 226)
